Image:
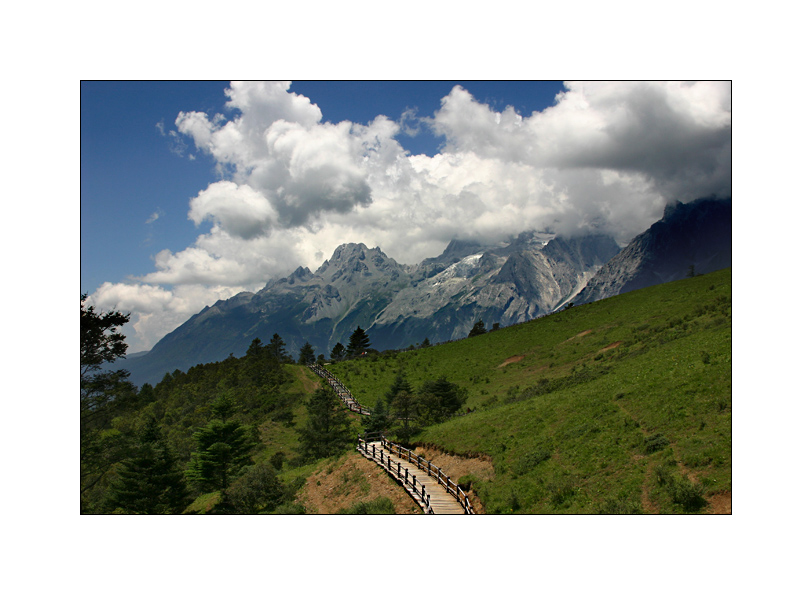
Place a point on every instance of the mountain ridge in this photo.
(439, 299)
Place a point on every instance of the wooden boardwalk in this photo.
(432, 489)
(414, 475)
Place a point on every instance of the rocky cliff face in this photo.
(439, 299)
(696, 236)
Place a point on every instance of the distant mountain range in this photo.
(441, 298)
(692, 238)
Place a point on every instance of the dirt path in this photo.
(351, 480)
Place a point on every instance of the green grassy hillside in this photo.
(622, 405)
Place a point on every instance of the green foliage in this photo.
(378, 421)
(359, 343)
(258, 490)
(438, 400)
(620, 505)
(400, 385)
(655, 443)
(100, 339)
(276, 350)
(683, 492)
(531, 460)
(544, 388)
(306, 355)
(223, 448)
(404, 410)
(327, 429)
(150, 480)
(478, 329)
(338, 353)
(103, 396)
(380, 505)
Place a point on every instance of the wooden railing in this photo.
(415, 488)
(342, 391)
(423, 464)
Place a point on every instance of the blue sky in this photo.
(130, 170)
(194, 191)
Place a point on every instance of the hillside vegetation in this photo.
(621, 405)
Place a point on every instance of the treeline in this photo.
(154, 449)
(222, 432)
(404, 411)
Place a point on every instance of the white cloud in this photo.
(605, 157)
(156, 311)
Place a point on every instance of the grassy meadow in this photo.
(620, 406)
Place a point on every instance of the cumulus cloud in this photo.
(606, 157)
(155, 310)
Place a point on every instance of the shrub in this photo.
(683, 492)
(466, 482)
(619, 506)
(688, 495)
(655, 443)
(380, 505)
(530, 460)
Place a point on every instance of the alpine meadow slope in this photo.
(623, 405)
(441, 298)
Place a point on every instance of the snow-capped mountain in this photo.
(397, 305)
(441, 298)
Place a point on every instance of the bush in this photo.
(690, 496)
(530, 460)
(380, 505)
(655, 443)
(257, 490)
(466, 482)
(619, 506)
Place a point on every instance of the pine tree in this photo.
(440, 399)
(359, 342)
(404, 411)
(479, 329)
(338, 353)
(276, 347)
(400, 385)
(378, 420)
(327, 430)
(222, 449)
(149, 482)
(307, 355)
(255, 348)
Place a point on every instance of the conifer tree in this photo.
(307, 355)
(149, 482)
(276, 347)
(327, 430)
(404, 411)
(359, 342)
(222, 449)
(255, 348)
(400, 385)
(338, 353)
(478, 329)
(378, 420)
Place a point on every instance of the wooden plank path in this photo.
(432, 489)
(342, 391)
(426, 483)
